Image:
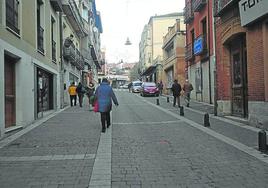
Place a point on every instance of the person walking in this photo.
(176, 90)
(160, 87)
(80, 92)
(187, 88)
(90, 94)
(72, 93)
(129, 87)
(105, 96)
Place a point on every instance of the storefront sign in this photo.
(250, 10)
(198, 45)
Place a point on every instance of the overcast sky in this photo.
(126, 18)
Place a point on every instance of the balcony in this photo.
(189, 53)
(54, 51)
(188, 13)
(57, 5)
(40, 39)
(69, 53)
(200, 45)
(198, 5)
(79, 60)
(72, 13)
(221, 5)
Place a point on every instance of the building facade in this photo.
(199, 51)
(36, 66)
(151, 44)
(29, 61)
(173, 64)
(242, 59)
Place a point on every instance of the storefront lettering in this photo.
(250, 3)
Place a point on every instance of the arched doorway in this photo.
(239, 81)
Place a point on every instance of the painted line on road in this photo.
(145, 123)
(11, 138)
(102, 170)
(250, 151)
(47, 158)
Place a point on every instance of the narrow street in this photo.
(148, 145)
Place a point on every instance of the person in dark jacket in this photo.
(176, 89)
(80, 91)
(105, 96)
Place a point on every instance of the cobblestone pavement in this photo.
(150, 150)
(146, 146)
(58, 153)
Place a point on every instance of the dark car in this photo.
(149, 89)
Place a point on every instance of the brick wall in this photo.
(223, 67)
(255, 58)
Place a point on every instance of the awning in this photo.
(149, 71)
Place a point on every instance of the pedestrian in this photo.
(80, 92)
(176, 90)
(73, 94)
(90, 94)
(105, 95)
(187, 88)
(129, 87)
(160, 87)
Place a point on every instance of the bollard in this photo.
(262, 140)
(181, 111)
(167, 99)
(206, 120)
(157, 101)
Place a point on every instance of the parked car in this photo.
(124, 86)
(136, 86)
(149, 88)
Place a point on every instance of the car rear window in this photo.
(137, 84)
(149, 84)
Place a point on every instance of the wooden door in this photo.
(239, 78)
(10, 93)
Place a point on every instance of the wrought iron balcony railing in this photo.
(79, 60)
(57, 5)
(189, 53)
(220, 5)
(12, 16)
(69, 53)
(188, 12)
(40, 39)
(198, 5)
(53, 51)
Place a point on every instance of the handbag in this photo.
(96, 106)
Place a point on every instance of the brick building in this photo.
(242, 59)
(199, 53)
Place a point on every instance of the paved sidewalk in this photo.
(235, 130)
(58, 153)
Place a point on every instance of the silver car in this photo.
(136, 86)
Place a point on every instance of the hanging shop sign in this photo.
(251, 10)
(198, 45)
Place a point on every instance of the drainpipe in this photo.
(209, 69)
(61, 63)
(215, 67)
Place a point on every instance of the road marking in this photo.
(47, 158)
(11, 138)
(250, 151)
(102, 170)
(143, 123)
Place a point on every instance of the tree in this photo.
(134, 73)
